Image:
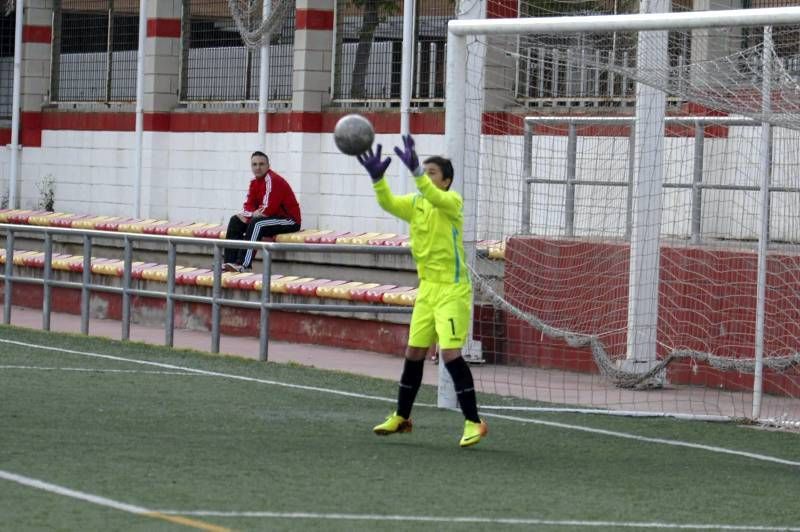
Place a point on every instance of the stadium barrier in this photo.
(397, 269)
(399, 299)
(387, 332)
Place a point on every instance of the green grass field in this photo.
(148, 438)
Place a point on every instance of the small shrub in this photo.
(47, 192)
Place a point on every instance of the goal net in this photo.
(633, 198)
(258, 20)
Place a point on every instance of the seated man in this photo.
(270, 209)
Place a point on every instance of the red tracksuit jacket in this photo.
(275, 195)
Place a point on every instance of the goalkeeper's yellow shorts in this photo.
(442, 314)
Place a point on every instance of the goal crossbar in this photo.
(636, 22)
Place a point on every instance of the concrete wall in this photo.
(706, 304)
(204, 176)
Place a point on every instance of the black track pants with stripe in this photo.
(258, 228)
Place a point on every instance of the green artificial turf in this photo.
(198, 442)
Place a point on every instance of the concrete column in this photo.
(311, 81)
(499, 81)
(313, 55)
(162, 64)
(498, 84)
(162, 56)
(37, 32)
(712, 43)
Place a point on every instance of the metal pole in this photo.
(631, 177)
(55, 52)
(186, 36)
(13, 174)
(569, 195)
(137, 187)
(540, 58)
(556, 55)
(455, 108)
(455, 135)
(127, 259)
(697, 179)
(48, 274)
(109, 49)
(86, 281)
(406, 80)
(263, 82)
(643, 276)
(527, 175)
(763, 237)
(248, 73)
(169, 323)
(8, 287)
(266, 295)
(216, 292)
(569, 74)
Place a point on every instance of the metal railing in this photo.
(569, 74)
(571, 182)
(265, 304)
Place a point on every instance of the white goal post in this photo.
(459, 30)
(463, 132)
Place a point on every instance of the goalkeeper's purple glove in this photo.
(409, 156)
(372, 162)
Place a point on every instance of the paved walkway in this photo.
(324, 357)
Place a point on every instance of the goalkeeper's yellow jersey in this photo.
(437, 222)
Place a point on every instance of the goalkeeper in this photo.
(442, 310)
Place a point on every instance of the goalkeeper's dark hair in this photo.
(444, 165)
(260, 154)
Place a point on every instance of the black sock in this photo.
(409, 386)
(465, 388)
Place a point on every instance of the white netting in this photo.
(8, 7)
(554, 231)
(729, 84)
(255, 29)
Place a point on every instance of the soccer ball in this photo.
(353, 134)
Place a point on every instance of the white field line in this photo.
(180, 519)
(662, 441)
(106, 502)
(199, 371)
(478, 520)
(615, 434)
(74, 494)
(101, 370)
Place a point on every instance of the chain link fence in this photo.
(369, 50)
(561, 69)
(217, 67)
(6, 64)
(94, 50)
